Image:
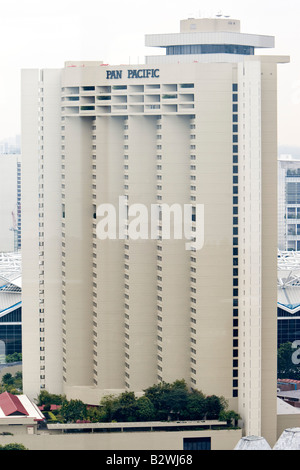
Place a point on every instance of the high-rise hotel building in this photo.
(196, 126)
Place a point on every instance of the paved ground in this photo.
(10, 368)
(10, 364)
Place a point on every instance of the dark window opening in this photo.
(196, 443)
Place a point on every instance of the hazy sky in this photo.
(44, 34)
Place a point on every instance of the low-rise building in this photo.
(18, 414)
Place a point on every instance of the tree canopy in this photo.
(11, 383)
(162, 402)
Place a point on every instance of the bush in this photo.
(15, 357)
(13, 446)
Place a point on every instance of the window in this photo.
(291, 245)
(292, 229)
(291, 213)
(196, 443)
(293, 193)
(210, 49)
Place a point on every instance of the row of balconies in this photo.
(153, 88)
(131, 98)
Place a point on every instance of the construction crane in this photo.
(15, 230)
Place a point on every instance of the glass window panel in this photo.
(291, 213)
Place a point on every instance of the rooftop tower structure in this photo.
(206, 40)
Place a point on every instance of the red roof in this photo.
(52, 407)
(291, 381)
(11, 405)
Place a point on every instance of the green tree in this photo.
(214, 405)
(169, 400)
(46, 398)
(145, 410)
(158, 395)
(18, 381)
(107, 405)
(11, 384)
(196, 405)
(7, 379)
(73, 410)
(177, 400)
(125, 407)
(229, 416)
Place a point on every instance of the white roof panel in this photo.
(233, 38)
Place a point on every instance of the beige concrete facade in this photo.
(220, 440)
(129, 313)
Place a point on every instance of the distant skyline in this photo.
(37, 34)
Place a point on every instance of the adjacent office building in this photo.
(288, 311)
(10, 202)
(195, 127)
(288, 203)
(10, 305)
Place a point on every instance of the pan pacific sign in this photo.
(132, 73)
